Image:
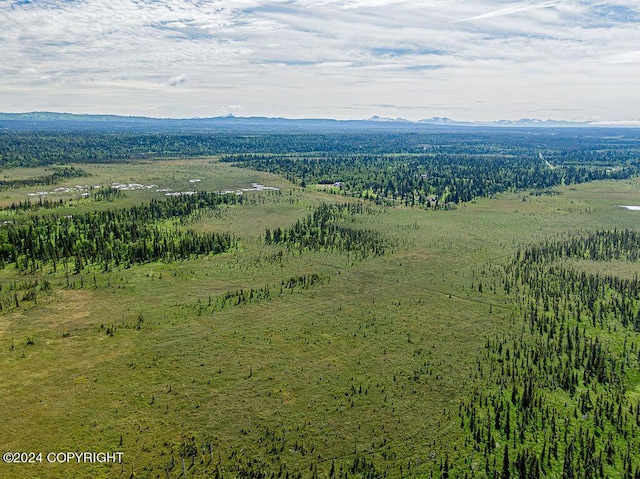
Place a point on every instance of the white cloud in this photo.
(625, 57)
(510, 10)
(177, 80)
(486, 59)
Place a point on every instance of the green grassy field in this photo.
(372, 362)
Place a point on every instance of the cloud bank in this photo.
(471, 60)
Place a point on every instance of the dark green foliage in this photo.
(107, 194)
(54, 178)
(30, 148)
(326, 229)
(103, 194)
(28, 205)
(598, 246)
(118, 237)
(560, 147)
(506, 464)
(430, 180)
(365, 468)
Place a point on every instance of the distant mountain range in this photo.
(230, 123)
(523, 122)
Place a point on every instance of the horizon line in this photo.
(435, 120)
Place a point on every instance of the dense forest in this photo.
(54, 178)
(430, 180)
(113, 237)
(558, 146)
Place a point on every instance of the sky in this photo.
(351, 59)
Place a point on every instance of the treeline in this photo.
(107, 194)
(428, 180)
(26, 148)
(115, 237)
(244, 296)
(559, 146)
(326, 229)
(102, 194)
(41, 203)
(54, 178)
(599, 246)
(551, 398)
